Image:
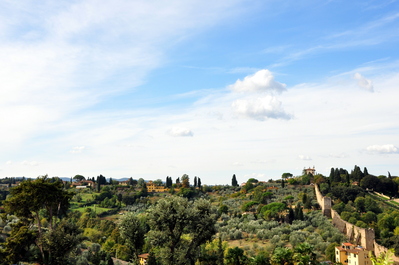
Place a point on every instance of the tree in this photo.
(383, 259)
(16, 247)
(59, 242)
(370, 182)
(360, 204)
(140, 182)
(185, 181)
(144, 190)
(253, 180)
(247, 187)
(195, 182)
(330, 251)
(274, 211)
(286, 175)
(199, 185)
(130, 181)
(282, 255)
(158, 182)
(236, 256)
(304, 254)
(331, 176)
(79, 178)
(234, 182)
(179, 227)
(168, 182)
(357, 174)
(30, 198)
(133, 228)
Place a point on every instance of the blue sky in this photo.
(206, 88)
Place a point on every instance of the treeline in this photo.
(173, 227)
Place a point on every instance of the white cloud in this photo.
(30, 163)
(9, 162)
(261, 81)
(180, 131)
(77, 149)
(342, 155)
(383, 149)
(363, 82)
(258, 176)
(303, 157)
(261, 108)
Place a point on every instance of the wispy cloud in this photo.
(304, 157)
(77, 149)
(30, 163)
(363, 82)
(369, 34)
(382, 149)
(260, 108)
(180, 131)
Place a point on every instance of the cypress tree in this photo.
(234, 182)
(332, 173)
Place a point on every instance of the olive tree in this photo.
(132, 228)
(179, 227)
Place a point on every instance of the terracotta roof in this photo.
(144, 256)
(354, 251)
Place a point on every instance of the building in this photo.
(124, 183)
(143, 258)
(349, 254)
(151, 187)
(311, 171)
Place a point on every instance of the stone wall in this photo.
(360, 236)
(324, 202)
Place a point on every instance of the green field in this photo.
(94, 208)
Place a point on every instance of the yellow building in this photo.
(143, 258)
(151, 187)
(349, 254)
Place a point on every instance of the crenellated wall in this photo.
(360, 236)
(324, 202)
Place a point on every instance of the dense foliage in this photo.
(272, 222)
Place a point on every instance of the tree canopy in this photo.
(179, 227)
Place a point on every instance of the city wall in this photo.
(324, 202)
(356, 235)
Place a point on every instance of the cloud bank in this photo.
(383, 149)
